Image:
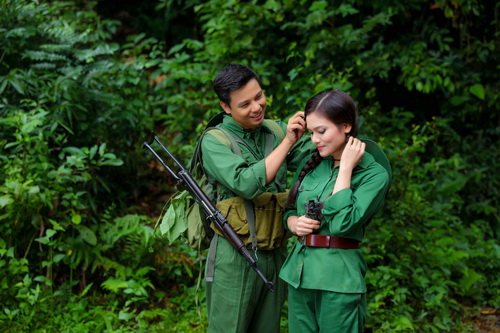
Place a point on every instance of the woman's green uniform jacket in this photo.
(345, 214)
(246, 177)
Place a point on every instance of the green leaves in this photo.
(477, 90)
(74, 182)
(174, 221)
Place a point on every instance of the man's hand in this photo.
(301, 225)
(296, 127)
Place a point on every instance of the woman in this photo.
(325, 269)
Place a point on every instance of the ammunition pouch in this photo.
(268, 212)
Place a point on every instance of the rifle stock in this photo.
(213, 214)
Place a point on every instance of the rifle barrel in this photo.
(184, 178)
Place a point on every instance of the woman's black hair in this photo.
(339, 108)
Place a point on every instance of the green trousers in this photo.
(311, 310)
(237, 299)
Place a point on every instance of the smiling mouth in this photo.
(258, 115)
(320, 148)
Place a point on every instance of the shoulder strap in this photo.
(275, 128)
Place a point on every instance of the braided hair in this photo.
(339, 108)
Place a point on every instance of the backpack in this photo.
(184, 216)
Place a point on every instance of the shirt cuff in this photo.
(337, 202)
(286, 215)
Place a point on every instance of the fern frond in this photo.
(55, 47)
(89, 54)
(43, 56)
(114, 285)
(44, 66)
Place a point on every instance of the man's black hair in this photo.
(231, 78)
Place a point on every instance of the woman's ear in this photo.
(347, 128)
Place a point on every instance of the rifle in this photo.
(213, 214)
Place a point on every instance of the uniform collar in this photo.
(366, 160)
(231, 124)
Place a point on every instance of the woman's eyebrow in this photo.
(311, 129)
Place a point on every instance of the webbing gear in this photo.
(209, 277)
(224, 136)
(272, 128)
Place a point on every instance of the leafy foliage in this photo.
(77, 90)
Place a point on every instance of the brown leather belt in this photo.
(329, 241)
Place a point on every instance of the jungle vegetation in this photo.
(81, 82)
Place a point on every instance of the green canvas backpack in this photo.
(184, 216)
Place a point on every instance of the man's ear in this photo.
(225, 107)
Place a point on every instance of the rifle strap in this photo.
(211, 259)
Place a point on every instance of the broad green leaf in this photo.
(76, 218)
(92, 151)
(477, 90)
(174, 221)
(126, 316)
(58, 257)
(87, 234)
(5, 200)
(102, 149)
(73, 150)
(50, 232)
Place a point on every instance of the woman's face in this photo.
(328, 137)
(248, 105)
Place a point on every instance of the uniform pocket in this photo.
(233, 210)
(309, 186)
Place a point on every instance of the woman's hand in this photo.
(296, 127)
(302, 226)
(353, 151)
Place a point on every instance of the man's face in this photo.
(248, 105)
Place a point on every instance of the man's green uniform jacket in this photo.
(246, 176)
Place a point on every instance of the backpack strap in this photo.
(275, 128)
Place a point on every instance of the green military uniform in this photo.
(237, 299)
(326, 285)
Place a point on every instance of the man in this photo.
(237, 299)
